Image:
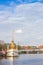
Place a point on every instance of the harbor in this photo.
(13, 50)
(21, 32)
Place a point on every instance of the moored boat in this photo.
(12, 53)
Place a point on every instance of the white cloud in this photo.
(40, 37)
(18, 31)
(23, 12)
(26, 17)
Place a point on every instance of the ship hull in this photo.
(12, 53)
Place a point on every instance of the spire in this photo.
(13, 36)
(12, 45)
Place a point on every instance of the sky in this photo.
(25, 18)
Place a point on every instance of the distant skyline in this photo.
(25, 17)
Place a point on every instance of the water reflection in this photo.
(6, 60)
(11, 60)
(1, 62)
(34, 59)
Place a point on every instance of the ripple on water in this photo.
(23, 60)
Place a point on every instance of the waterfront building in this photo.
(41, 48)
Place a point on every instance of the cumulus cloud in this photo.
(26, 17)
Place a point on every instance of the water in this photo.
(23, 59)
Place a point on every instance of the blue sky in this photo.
(25, 17)
(7, 2)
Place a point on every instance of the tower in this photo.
(13, 36)
(12, 45)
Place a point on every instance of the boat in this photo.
(12, 50)
(12, 53)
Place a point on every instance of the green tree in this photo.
(0, 47)
(19, 47)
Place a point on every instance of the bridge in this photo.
(30, 51)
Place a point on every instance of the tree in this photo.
(0, 47)
(4, 46)
(19, 47)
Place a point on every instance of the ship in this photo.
(13, 50)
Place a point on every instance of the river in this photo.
(23, 59)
